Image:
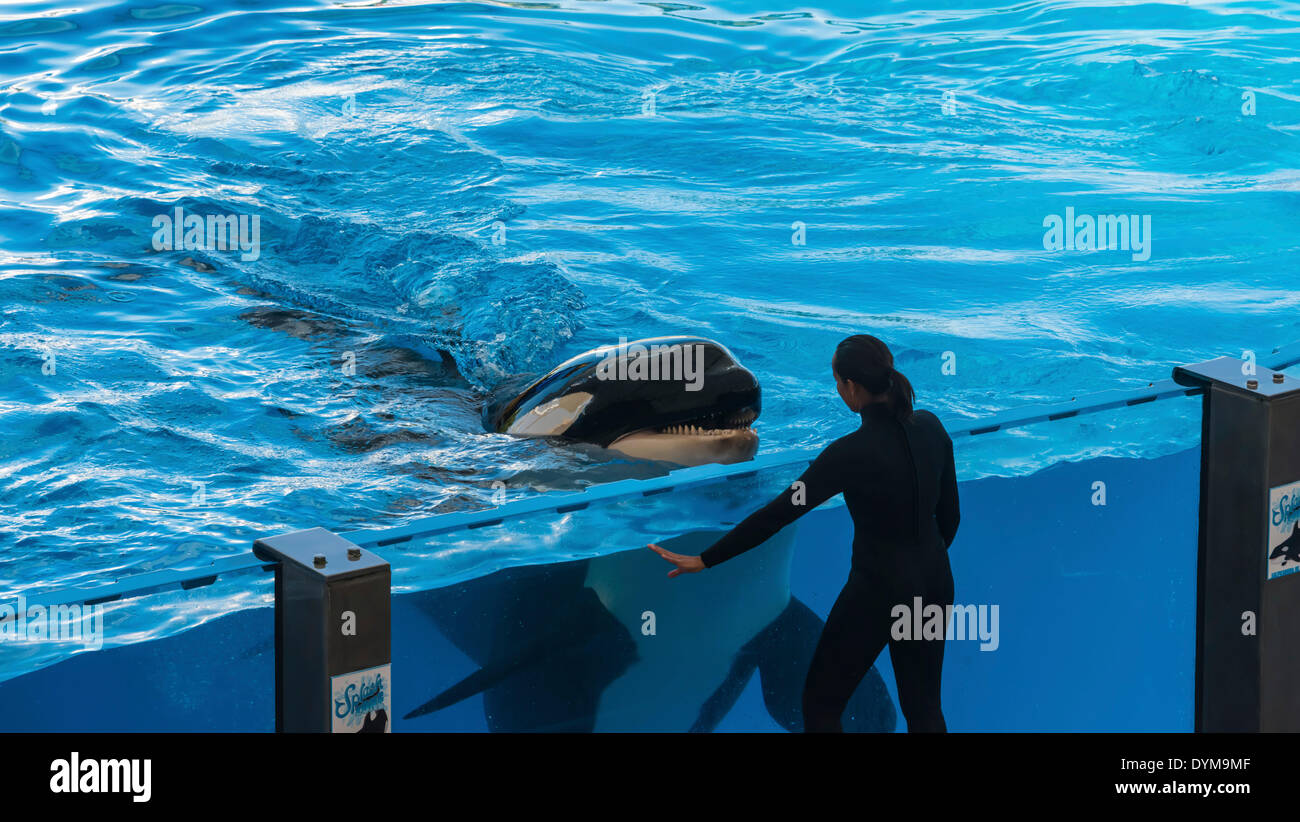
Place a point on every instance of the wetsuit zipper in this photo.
(916, 485)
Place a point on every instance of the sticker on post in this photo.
(1284, 530)
(362, 701)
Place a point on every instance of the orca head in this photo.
(678, 399)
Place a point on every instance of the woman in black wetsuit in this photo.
(897, 476)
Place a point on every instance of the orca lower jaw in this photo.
(712, 438)
(710, 425)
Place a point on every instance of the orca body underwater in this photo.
(561, 646)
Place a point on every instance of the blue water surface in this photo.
(451, 193)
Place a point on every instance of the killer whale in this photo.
(1288, 549)
(374, 723)
(559, 646)
(679, 399)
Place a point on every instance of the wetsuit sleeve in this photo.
(948, 512)
(823, 479)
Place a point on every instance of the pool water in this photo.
(447, 194)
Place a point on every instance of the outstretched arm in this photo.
(823, 479)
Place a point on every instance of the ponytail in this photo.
(901, 395)
(868, 362)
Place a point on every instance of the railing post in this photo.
(332, 634)
(1247, 588)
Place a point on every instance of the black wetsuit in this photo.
(900, 487)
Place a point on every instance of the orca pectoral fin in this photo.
(722, 700)
(870, 709)
(477, 682)
(493, 673)
(553, 683)
(784, 651)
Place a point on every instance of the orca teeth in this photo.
(713, 425)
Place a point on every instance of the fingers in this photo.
(675, 559)
(666, 554)
(682, 563)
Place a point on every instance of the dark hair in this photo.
(868, 362)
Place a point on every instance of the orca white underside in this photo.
(701, 621)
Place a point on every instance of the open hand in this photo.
(685, 564)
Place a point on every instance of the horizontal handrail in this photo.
(561, 503)
(1284, 357)
(141, 584)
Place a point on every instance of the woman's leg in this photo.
(918, 664)
(854, 635)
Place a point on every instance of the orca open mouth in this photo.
(712, 425)
(709, 438)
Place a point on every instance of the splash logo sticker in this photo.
(361, 701)
(1283, 530)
